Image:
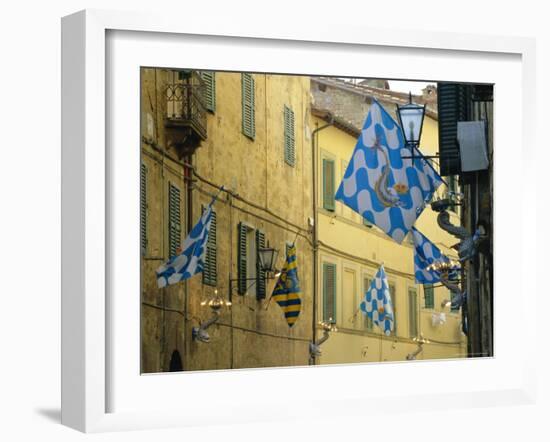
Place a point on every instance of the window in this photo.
(328, 184)
(394, 306)
(209, 79)
(367, 324)
(428, 296)
(143, 209)
(248, 110)
(248, 266)
(290, 145)
(329, 292)
(210, 271)
(174, 220)
(413, 313)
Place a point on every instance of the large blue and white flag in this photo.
(377, 304)
(190, 260)
(379, 184)
(427, 253)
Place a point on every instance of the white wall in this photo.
(30, 214)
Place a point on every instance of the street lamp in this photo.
(411, 119)
(267, 257)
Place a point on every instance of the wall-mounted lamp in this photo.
(411, 119)
(420, 342)
(327, 327)
(267, 258)
(216, 303)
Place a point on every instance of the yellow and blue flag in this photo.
(287, 290)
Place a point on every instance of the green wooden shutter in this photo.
(290, 143)
(209, 79)
(174, 220)
(143, 209)
(248, 109)
(241, 259)
(394, 306)
(452, 107)
(428, 296)
(413, 314)
(329, 292)
(368, 324)
(260, 274)
(328, 184)
(210, 271)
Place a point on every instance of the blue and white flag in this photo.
(377, 304)
(190, 260)
(384, 188)
(426, 253)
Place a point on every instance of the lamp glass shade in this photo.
(268, 258)
(411, 116)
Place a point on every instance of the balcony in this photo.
(185, 118)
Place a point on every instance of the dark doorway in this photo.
(175, 362)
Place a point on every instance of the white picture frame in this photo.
(89, 364)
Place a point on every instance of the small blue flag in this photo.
(190, 260)
(427, 253)
(387, 190)
(377, 304)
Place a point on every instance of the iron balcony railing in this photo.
(185, 106)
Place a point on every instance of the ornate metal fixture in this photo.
(327, 327)
(216, 303)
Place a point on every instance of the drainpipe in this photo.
(314, 146)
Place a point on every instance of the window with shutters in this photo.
(260, 278)
(209, 79)
(329, 292)
(428, 296)
(143, 209)
(248, 109)
(328, 184)
(394, 306)
(367, 320)
(290, 145)
(413, 313)
(452, 107)
(174, 220)
(210, 271)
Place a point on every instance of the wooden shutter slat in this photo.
(210, 274)
(328, 184)
(248, 110)
(241, 259)
(329, 292)
(174, 220)
(260, 275)
(143, 208)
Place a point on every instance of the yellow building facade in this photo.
(351, 251)
(248, 133)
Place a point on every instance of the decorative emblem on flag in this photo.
(377, 304)
(426, 257)
(287, 290)
(379, 184)
(190, 260)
